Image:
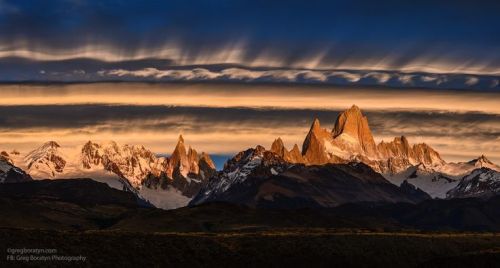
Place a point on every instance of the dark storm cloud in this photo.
(122, 118)
(362, 33)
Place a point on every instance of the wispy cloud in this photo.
(345, 77)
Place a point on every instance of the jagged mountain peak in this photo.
(352, 129)
(278, 146)
(180, 147)
(425, 154)
(401, 139)
(46, 159)
(278, 141)
(185, 162)
(483, 161)
(316, 125)
(313, 144)
(293, 156)
(482, 182)
(348, 122)
(351, 139)
(51, 144)
(205, 158)
(180, 139)
(48, 147)
(179, 155)
(90, 144)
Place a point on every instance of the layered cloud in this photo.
(458, 136)
(227, 118)
(262, 95)
(324, 35)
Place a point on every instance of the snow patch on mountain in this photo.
(170, 198)
(481, 182)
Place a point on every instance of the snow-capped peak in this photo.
(481, 182)
(46, 160)
(132, 162)
(482, 161)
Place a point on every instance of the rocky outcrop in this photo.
(179, 158)
(293, 156)
(185, 170)
(316, 144)
(352, 133)
(400, 155)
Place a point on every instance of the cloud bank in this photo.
(457, 136)
(224, 118)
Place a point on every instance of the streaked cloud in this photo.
(346, 77)
(458, 136)
(334, 35)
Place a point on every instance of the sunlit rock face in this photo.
(317, 145)
(127, 167)
(292, 156)
(352, 132)
(351, 140)
(418, 166)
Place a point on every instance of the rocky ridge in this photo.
(133, 166)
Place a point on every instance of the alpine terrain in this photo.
(343, 165)
(166, 182)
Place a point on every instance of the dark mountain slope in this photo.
(79, 191)
(260, 178)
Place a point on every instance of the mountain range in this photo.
(166, 182)
(345, 165)
(333, 167)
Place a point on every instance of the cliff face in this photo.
(185, 170)
(292, 156)
(316, 143)
(352, 131)
(351, 140)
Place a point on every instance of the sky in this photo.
(223, 119)
(233, 74)
(75, 40)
